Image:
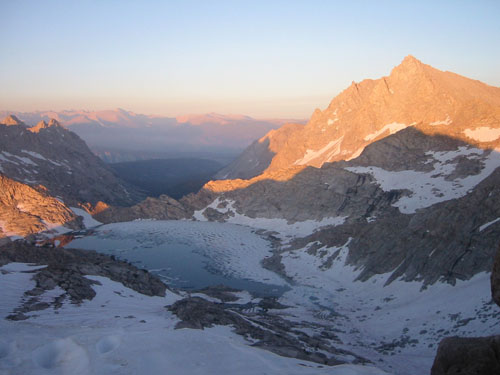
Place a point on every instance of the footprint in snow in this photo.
(63, 356)
(108, 344)
(8, 357)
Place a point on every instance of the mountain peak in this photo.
(41, 125)
(410, 59)
(54, 122)
(12, 120)
(409, 66)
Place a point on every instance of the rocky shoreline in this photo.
(67, 268)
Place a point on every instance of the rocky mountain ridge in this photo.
(50, 155)
(45, 169)
(414, 94)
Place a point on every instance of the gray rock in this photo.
(495, 279)
(269, 332)
(67, 269)
(468, 356)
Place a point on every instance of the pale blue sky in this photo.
(261, 58)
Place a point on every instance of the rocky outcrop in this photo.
(25, 210)
(161, 208)
(269, 332)
(52, 158)
(67, 268)
(495, 279)
(468, 356)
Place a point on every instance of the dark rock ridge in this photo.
(268, 332)
(48, 156)
(67, 269)
(495, 278)
(468, 356)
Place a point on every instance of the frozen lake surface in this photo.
(191, 255)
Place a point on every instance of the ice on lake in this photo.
(189, 254)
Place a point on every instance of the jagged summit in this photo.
(54, 122)
(43, 125)
(414, 94)
(12, 120)
(410, 61)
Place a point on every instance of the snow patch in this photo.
(483, 134)
(446, 121)
(333, 147)
(34, 154)
(391, 128)
(484, 226)
(282, 226)
(428, 188)
(88, 220)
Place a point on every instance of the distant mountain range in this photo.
(119, 135)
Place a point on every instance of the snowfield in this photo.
(428, 188)
(391, 128)
(397, 326)
(282, 227)
(333, 149)
(123, 332)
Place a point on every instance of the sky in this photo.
(266, 59)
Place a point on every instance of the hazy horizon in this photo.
(279, 59)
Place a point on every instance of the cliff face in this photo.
(24, 211)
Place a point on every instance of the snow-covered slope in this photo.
(123, 332)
